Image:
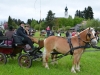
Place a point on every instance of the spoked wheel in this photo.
(3, 59)
(25, 61)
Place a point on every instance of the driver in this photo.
(21, 32)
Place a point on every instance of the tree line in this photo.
(87, 13)
(56, 23)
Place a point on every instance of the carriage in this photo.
(17, 47)
(7, 50)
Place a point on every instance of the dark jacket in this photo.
(21, 32)
(1, 34)
(67, 34)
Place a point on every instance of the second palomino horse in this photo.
(62, 46)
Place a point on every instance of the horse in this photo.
(62, 46)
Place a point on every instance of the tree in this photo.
(50, 19)
(93, 23)
(19, 21)
(76, 14)
(33, 23)
(77, 20)
(9, 21)
(88, 13)
(29, 21)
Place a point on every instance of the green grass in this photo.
(90, 65)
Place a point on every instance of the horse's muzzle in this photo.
(94, 42)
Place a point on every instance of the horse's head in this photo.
(90, 36)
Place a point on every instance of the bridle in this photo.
(89, 35)
(88, 38)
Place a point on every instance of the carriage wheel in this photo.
(3, 59)
(24, 61)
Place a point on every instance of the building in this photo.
(66, 12)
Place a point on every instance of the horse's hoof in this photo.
(78, 70)
(73, 71)
(47, 68)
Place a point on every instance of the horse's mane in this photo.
(86, 29)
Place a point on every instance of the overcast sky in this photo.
(28, 9)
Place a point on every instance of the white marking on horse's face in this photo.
(44, 40)
(94, 40)
(93, 32)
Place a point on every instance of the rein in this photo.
(72, 49)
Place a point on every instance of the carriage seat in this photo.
(6, 43)
(17, 40)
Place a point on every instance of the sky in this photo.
(28, 9)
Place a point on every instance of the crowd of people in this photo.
(24, 32)
(70, 33)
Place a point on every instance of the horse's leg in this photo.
(78, 66)
(74, 63)
(54, 59)
(46, 55)
(78, 62)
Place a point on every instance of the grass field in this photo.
(90, 64)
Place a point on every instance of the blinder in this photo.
(89, 35)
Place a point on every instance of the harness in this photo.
(70, 45)
(87, 45)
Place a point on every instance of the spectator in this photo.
(52, 33)
(73, 33)
(67, 34)
(48, 31)
(58, 34)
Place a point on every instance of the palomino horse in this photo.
(62, 46)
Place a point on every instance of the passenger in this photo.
(27, 27)
(25, 38)
(9, 35)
